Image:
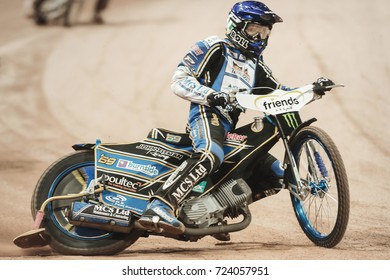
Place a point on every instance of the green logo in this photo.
(291, 120)
(200, 187)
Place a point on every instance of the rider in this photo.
(204, 77)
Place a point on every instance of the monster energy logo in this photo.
(291, 120)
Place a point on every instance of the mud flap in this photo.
(33, 238)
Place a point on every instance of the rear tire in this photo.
(71, 174)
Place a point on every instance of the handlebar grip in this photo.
(318, 88)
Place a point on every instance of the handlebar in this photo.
(233, 91)
(325, 88)
(279, 101)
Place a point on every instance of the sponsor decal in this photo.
(163, 214)
(122, 183)
(215, 120)
(189, 182)
(159, 152)
(190, 84)
(116, 199)
(198, 129)
(199, 188)
(241, 72)
(142, 168)
(236, 137)
(282, 103)
(173, 138)
(174, 177)
(291, 120)
(239, 40)
(236, 55)
(196, 50)
(122, 163)
(106, 160)
(189, 60)
(107, 211)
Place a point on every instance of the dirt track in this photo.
(60, 86)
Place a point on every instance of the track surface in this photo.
(60, 86)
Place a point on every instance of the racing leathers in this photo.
(212, 65)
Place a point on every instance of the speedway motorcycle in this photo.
(88, 202)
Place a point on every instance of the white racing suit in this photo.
(211, 65)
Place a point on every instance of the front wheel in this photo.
(71, 175)
(323, 213)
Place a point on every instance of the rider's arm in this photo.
(191, 77)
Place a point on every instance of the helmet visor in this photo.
(256, 31)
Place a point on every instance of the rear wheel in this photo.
(71, 175)
(323, 214)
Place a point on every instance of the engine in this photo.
(225, 201)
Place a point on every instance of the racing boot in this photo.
(158, 217)
(160, 213)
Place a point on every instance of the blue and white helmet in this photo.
(249, 24)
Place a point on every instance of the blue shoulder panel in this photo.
(200, 52)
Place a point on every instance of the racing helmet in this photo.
(249, 25)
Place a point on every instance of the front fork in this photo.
(295, 185)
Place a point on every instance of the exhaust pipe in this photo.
(100, 216)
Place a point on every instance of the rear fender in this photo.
(86, 146)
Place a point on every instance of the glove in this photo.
(235, 110)
(218, 99)
(321, 84)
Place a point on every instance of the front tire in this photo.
(324, 213)
(72, 174)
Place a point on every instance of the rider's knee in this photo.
(213, 157)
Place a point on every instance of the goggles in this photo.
(256, 31)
